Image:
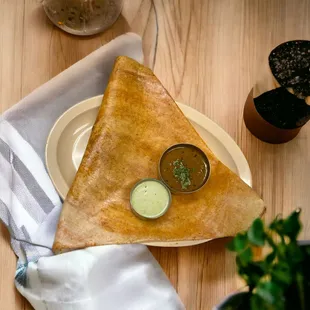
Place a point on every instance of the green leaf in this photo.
(256, 303)
(259, 266)
(253, 273)
(277, 226)
(256, 233)
(239, 243)
(245, 257)
(270, 258)
(281, 273)
(294, 253)
(270, 292)
(281, 251)
(292, 225)
(271, 242)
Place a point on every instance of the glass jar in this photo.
(83, 17)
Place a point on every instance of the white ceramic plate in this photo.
(69, 136)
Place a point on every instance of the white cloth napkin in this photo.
(106, 277)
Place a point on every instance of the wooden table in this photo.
(207, 53)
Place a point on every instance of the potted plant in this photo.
(277, 106)
(281, 280)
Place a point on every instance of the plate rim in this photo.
(244, 171)
(200, 119)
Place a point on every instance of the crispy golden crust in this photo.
(137, 121)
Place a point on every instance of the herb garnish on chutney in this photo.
(182, 173)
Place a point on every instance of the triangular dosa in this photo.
(137, 121)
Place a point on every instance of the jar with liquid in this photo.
(83, 17)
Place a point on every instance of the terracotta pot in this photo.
(279, 103)
(262, 129)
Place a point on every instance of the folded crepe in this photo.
(137, 121)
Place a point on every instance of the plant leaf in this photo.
(281, 251)
(270, 292)
(256, 303)
(256, 233)
(281, 273)
(294, 253)
(277, 225)
(270, 258)
(239, 243)
(245, 257)
(253, 273)
(292, 225)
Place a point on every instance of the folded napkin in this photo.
(107, 277)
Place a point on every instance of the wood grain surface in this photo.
(208, 54)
